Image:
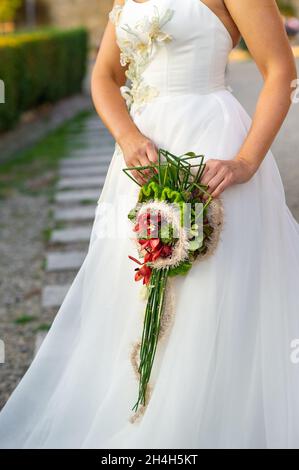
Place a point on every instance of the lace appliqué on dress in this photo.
(114, 14)
(138, 47)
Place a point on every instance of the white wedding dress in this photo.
(223, 378)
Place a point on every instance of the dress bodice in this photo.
(170, 47)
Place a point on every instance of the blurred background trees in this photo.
(92, 14)
(41, 66)
(41, 60)
(8, 10)
(288, 7)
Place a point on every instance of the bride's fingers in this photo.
(138, 177)
(144, 161)
(208, 174)
(136, 174)
(152, 153)
(220, 188)
(214, 182)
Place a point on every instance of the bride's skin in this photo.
(260, 24)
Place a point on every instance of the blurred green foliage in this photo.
(286, 7)
(8, 9)
(38, 67)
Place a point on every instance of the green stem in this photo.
(151, 329)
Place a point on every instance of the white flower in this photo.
(137, 49)
(152, 28)
(127, 95)
(114, 14)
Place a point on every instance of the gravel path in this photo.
(23, 219)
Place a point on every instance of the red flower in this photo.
(147, 222)
(148, 257)
(134, 259)
(166, 251)
(143, 273)
(153, 247)
(154, 243)
(156, 253)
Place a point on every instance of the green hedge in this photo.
(38, 67)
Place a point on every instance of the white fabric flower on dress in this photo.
(137, 49)
(114, 14)
(150, 29)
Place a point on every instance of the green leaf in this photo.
(181, 269)
(194, 244)
(166, 233)
(132, 214)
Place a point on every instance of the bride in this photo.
(224, 378)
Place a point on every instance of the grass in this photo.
(47, 232)
(42, 327)
(59, 225)
(24, 319)
(34, 170)
(86, 202)
(44, 264)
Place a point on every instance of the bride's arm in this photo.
(261, 26)
(107, 77)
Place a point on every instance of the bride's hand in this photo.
(138, 150)
(220, 174)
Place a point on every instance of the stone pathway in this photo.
(81, 177)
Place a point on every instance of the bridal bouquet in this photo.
(175, 222)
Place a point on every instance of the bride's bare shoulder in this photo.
(117, 3)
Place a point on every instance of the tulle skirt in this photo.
(223, 377)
